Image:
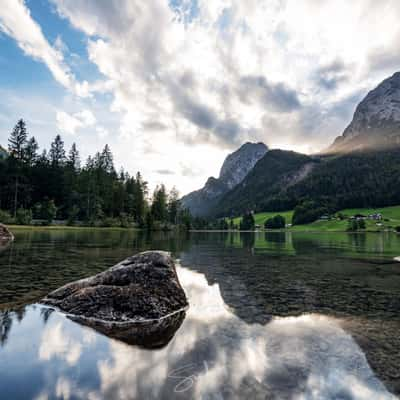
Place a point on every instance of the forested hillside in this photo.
(264, 187)
(358, 179)
(281, 180)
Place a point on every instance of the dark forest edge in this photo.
(52, 188)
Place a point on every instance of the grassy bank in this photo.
(260, 218)
(390, 219)
(65, 228)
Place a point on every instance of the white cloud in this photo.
(87, 117)
(101, 132)
(16, 21)
(56, 343)
(68, 123)
(185, 70)
(200, 80)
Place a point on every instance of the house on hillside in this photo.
(375, 217)
(358, 216)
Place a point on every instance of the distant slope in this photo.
(260, 218)
(353, 180)
(283, 179)
(270, 178)
(234, 169)
(376, 121)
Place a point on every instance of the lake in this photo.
(271, 316)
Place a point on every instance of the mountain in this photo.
(270, 178)
(361, 168)
(283, 179)
(234, 169)
(376, 121)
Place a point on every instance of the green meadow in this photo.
(390, 219)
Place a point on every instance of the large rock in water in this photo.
(6, 237)
(5, 234)
(139, 301)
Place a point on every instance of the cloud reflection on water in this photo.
(214, 355)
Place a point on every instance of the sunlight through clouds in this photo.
(191, 76)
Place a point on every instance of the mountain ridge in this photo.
(271, 176)
(233, 170)
(359, 168)
(376, 120)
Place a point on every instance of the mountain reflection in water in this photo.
(214, 355)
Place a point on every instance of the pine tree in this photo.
(73, 158)
(159, 205)
(31, 150)
(43, 158)
(17, 147)
(140, 193)
(173, 206)
(57, 152)
(17, 140)
(107, 160)
(247, 222)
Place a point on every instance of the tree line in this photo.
(55, 184)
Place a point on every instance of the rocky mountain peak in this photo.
(239, 163)
(380, 107)
(234, 169)
(376, 120)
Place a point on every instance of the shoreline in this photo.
(67, 227)
(103, 228)
(290, 231)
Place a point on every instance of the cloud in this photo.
(188, 171)
(197, 78)
(209, 123)
(331, 75)
(384, 58)
(102, 132)
(68, 123)
(223, 72)
(55, 343)
(16, 22)
(276, 96)
(164, 172)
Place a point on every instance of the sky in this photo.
(174, 86)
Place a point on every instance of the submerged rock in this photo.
(149, 334)
(138, 301)
(6, 237)
(5, 234)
